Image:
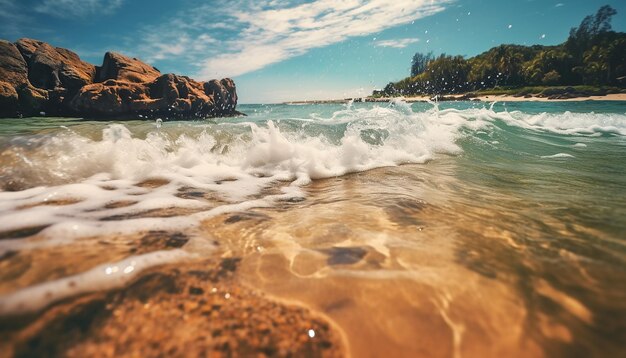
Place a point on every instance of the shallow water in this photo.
(453, 229)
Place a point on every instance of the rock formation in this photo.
(121, 68)
(37, 78)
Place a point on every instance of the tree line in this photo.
(593, 54)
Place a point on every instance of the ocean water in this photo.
(430, 229)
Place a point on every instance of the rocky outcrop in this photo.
(52, 67)
(119, 67)
(13, 76)
(223, 91)
(37, 78)
(168, 96)
(13, 68)
(9, 100)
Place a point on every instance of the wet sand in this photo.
(197, 309)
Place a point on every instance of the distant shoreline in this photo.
(465, 97)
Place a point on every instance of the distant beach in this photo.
(465, 97)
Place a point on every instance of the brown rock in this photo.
(110, 98)
(38, 77)
(182, 95)
(223, 92)
(13, 75)
(28, 47)
(32, 101)
(121, 68)
(169, 96)
(8, 100)
(52, 67)
(13, 68)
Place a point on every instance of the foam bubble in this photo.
(584, 124)
(558, 155)
(99, 278)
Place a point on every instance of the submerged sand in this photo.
(364, 266)
(198, 309)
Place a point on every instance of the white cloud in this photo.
(559, 4)
(396, 43)
(175, 43)
(8, 9)
(77, 8)
(242, 36)
(277, 34)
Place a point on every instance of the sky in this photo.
(285, 50)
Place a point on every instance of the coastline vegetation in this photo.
(592, 61)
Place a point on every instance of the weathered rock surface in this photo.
(51, 67)
(8, 99)
(36, 78)
(13, 68)
(119, 67)
(223, 91)
(13, 75)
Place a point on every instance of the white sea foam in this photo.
(233, 162)
(103, 277)
(236, 161)
(584, 124)
(558, 155)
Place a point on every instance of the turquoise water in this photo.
(501, 215)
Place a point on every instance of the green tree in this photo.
(447, 74)
(554, 59)
(581, 37)
(420, 62)
(551, 78)
(593, 54)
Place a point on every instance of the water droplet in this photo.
(159, 122)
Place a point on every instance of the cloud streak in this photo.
(77, 8)
(12, 18)
(239, 37)
(396, 43)
(277, 34)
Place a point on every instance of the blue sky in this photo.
(280, 50)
